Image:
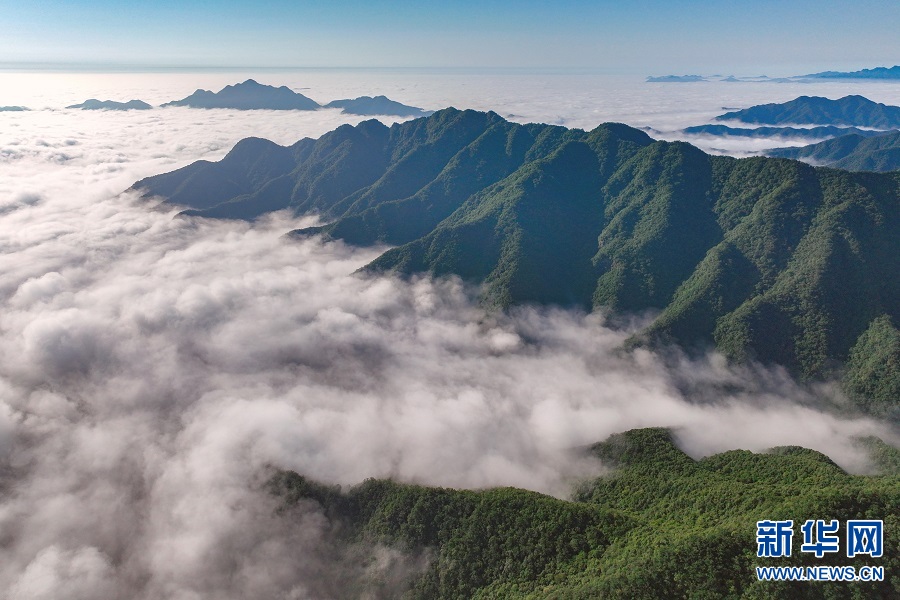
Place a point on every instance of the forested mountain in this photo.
(248, 95)
(767, 259)
(814, 110)
(661, 525)
(852, 152)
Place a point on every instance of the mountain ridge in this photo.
(875, 73)
(853, 110)
(820, 132)
(853, 152)
(378, 105)
(94, 104)
(766, 259)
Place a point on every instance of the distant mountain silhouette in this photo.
(814, 110)
(676, 79)
(248, 95)
(12, 108)
(94, 104)
(852, 152)
(822, 132)
(876, 73)
(379, 105)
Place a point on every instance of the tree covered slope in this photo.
(661, 525)
(766, 259)
(852, 152)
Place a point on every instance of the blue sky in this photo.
(782, 37)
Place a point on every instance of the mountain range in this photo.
(821, 132)
(767, 259)
(855, 111)
(876, 73)
(676, 79)
(251, 95)
(94, 104)
(853, 152)
(12, 108)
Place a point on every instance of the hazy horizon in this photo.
(650, 36)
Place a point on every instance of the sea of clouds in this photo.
(156, 370)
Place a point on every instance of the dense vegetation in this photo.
(852, 152)
(661, 525)
(767, 259)
(814, 110)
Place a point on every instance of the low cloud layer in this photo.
(155, 370)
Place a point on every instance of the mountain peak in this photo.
(852, 110)
(248, 95)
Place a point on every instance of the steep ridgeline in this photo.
(814, 110)
(852, 152)
(378, 184)
(766, 258)
(661, 525)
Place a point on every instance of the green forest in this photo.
(659, 525)
(766, 259)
